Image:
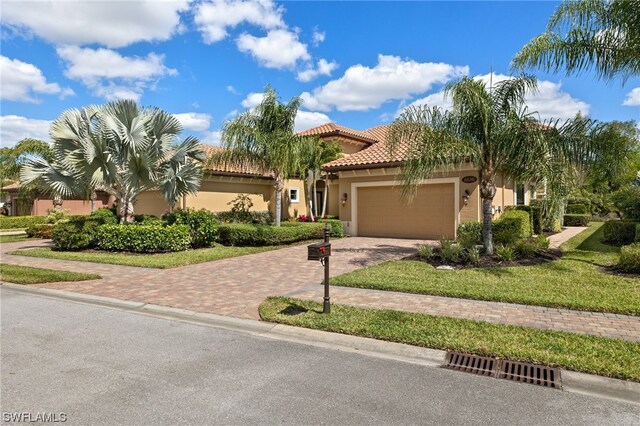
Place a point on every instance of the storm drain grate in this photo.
(504, 369)
(480, 365)
(530, 373)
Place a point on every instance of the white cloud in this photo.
(549, 101)
(109, 23)
(21, 81)
(306, 120)
(278, 49)
(323, 67)
(232, 89)
(252, 100)
(213, 18)
(14, 128)
(317, 37)
(212, 138)
(195, 121)
(633, 98)
(112, 75)
(362, 88)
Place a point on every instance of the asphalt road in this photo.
(103, 366)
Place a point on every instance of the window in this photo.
(294, 195)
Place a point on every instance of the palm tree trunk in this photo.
(307, 188)
(315, 191)
(93, 198)
(325, 196)
(487, 192)
(279, 186)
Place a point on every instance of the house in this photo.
(363, 190)
(37, 204)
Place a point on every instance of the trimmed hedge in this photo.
(577, 219)
(202, 223)
(78, 233)
(240, 234)
(152, 238)
(106, 214)
(40, 230)
(12, 222)
(512, 226)
(630, 258)
(535, 214)
(261, 217)
(337, 230)
(619, 232)
(578, 209)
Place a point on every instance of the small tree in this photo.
(264, 138)
(122, 149)
(313, 154)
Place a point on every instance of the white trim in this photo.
(382, 171)
(297, 189)
(356, 185)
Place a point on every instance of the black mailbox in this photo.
(318, 251)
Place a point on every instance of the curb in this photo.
(573, 382)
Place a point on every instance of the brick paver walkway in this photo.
(237, 286)
(566, 234)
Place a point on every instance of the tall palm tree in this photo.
(264, 138)
(313, 154)
(491, 129)
(588, 34)
(122, 149)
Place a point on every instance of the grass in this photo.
(574, 281)
(28, 275)
(13, 238)
(590, 354)
(158, 260)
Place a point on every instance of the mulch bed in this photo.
(493, 261)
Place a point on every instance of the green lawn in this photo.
(13, 238)
(573, 282)
(27, 275)
(159, 260)
(590, 354)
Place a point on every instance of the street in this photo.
(104, 366)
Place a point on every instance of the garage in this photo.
(430, 215)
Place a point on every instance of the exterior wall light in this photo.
(343, 199)
(465, 197)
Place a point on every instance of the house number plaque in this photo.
(469, 179)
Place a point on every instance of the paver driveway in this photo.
(234, 286)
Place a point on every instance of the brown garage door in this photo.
(430, 215)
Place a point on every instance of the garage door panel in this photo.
(430, 215)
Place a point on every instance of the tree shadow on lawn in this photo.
(294, 310)
(377, 254)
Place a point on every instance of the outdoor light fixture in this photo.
(465, 197)
(344, 198)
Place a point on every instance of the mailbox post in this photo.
(321, 252)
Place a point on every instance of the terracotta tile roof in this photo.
(336, 129)
(226, 169)
(376, 155)
(10, 187)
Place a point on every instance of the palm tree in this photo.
(588, 34)
(122, 149)
(313, 154)
(491, 129)
(264, 138)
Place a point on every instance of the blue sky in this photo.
(354, 63)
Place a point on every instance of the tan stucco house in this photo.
(363, 190)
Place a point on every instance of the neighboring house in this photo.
(42, 202)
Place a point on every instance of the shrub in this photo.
(13, 222)
(505, 253)
(203, 225)
(337, 230)
(540, 242)
(473, 255)
(145, 218)
(627, 201)
(630, 258)
(470, 234)
(55, 215)
(262, 217)
(107, 215)
(526, 248)
(240, 234)
(425, 252)
(40, 230)
(637, 239)
(619, 232)
(78, 232)
(451, 253)
(512, 226)
(535, 214)
(577, 219)
(152, 238)
(577, 209)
